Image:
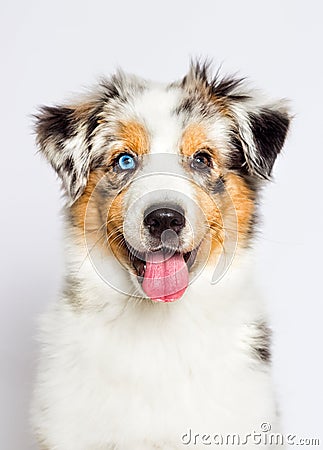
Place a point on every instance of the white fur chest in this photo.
(144, 377)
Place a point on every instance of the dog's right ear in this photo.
(67, 135)
(64, 137)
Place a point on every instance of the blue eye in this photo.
(126, 162)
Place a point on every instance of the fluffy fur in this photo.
(118, 370)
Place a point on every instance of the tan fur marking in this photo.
(213, 213)
(222, 105)
(79, 208)
(219, 214)
(90, 212)
(193, 139)
(115, 228)
(134, 136)
(243, 199)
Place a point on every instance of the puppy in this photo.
(160, 336)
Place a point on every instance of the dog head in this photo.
(164, 176)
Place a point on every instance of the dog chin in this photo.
(162, 273)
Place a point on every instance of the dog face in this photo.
(165, 175)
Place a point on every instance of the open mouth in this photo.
(163, 274)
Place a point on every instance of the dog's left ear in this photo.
(260, 132)
(64, 137)
(259, 128)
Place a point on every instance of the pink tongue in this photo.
(166, 277)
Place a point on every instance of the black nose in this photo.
(159, 219)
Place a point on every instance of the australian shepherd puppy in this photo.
(160, 338)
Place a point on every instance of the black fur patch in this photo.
(217, 85)
(269, 129)
(117, 88)
(187, 105)
(98, 161)
(68, 165)
(92, 123)
(110, 90)
(73, 180)
(237, 163)
(262, 342)
(218, 186)
(224, 87)
(55, 122)
(237, 160)
(253, 223)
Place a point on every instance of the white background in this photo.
(52, 49)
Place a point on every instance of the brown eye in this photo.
(201, 161)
